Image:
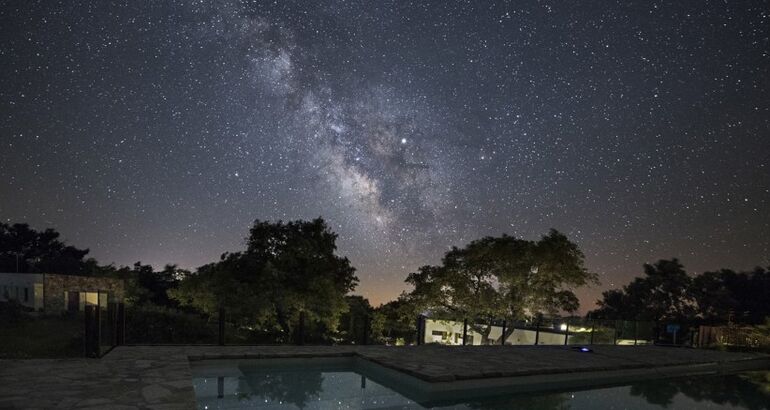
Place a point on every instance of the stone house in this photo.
(55, 293)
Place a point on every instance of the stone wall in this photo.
(55, 286)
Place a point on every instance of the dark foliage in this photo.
(23, 249)
(356, 321)
(662, 293)
(11, 312)
(667, 292)
(152, 324)
(727, 295)
(288, 271)
(399, 321)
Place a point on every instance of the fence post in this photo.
(566, 334)
(537, 331)
(635, 336)
(301, 330)
(221, 326)
(120, 326)
(465, 330)
(87, 332)
(593, 326)
(502, 341)
(91, 336)
(615, 333)
(420, 330)
(111, 330)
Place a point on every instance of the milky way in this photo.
(158, 131)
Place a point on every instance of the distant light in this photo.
(585, 349)
(563, 327)
(403, 140)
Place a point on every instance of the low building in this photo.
(450, 332)
(55, 293)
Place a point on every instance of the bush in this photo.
(151, 324)
(28, 337)
(11, 312)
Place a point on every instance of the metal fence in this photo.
(104, 328)
(737, 337)
(110, 325)
(540, 331)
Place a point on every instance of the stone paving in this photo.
(159, 377)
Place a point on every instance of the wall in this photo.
(15, 283)
(452, 332)
(57, 285)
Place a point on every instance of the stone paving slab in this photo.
(437, 363)
(159, 377)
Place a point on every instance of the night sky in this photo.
(158, 131)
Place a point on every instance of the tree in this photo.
(357, 319)
(503, 277)
(395, 321)
(729, 295)
(146, 286)
(23, 249)
(287, 269)
(713, 294)
(663, 293)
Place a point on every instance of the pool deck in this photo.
(159, 377)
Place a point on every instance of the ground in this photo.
(159, 377)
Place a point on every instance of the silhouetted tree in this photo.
(145, 285)
(399, 320)
(726, 294)
(503, 277)
(666, 292)
(662, 293)
(287, 268)
(356, 320)
(23, 249)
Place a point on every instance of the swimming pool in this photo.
(354, 383)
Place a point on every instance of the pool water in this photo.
(348, 383)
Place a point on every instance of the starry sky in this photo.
(158, 131)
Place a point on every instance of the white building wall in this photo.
(26, 288)
(451, 332)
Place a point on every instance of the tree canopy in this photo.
(662, 293)
(23, 249)
(286, 269)
(667, 292)
(496, 277)
(730, 295)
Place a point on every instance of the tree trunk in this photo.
(483, 330)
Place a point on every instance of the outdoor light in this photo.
(563, 327)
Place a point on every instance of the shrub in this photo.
(151, 324)
(11, 312)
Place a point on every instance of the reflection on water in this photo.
(340, 388)
(747, 391)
